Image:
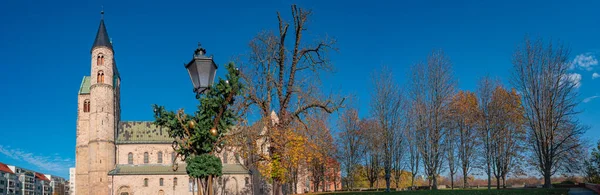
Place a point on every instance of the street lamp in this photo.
(202, 70)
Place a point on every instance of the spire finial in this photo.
(102, 12)
(200, 51)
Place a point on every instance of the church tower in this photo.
(97, 119)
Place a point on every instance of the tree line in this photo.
(429, 127)
(426, 126)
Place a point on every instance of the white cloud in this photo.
(585, 61)
(588, 99)
(53, 163)
(595, 75)
(574, 78)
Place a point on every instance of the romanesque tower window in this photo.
(160, 182)
(146, 157)
(100, 78)
(86, 106)
(130, 158)
(160, 157)
(100, 59)
(145, 182)
(175, 181)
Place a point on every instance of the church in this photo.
(118, 157)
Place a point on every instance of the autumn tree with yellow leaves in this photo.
(464, 118)
(508, 132)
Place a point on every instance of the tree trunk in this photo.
(429, 183)
(199, 192)
(547, 180)
(277, 187)
(435, 186)
(452, 181)
(498, 182)
(489, 174)
(210, 186)
(465, 180)
(397, 182)
(504, 181)
(387, 181)
(412, 182)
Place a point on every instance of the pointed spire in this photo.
(102, 38)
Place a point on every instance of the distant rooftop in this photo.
(4, 168)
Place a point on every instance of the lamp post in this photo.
(202, 70)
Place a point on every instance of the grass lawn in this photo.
(465, 192)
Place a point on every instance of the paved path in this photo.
(580, 191)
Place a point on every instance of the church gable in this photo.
(136, 132)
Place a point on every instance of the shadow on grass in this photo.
(464, 192)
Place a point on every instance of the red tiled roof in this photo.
(41, 176)
(5, 168)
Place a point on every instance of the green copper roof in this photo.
(85, 85)
(131, 132)
(228, 169)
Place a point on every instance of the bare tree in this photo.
(549, 102)
(431, 91)
(373, 152)
(485, 90)
(414, 156)
(451, 147)
(387, 104)
(351, 145)
(284, 79)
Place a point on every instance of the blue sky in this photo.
(45, 45)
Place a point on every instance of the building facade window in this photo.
(130, 158)
(160, 182)
(100, 78)
(160, 157)
(175, 181)
(86, 106)
(145, 182)
(173, 156)
(146, 157)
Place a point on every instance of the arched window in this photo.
(100, 59)
(145, 182)
(100, 77)
(146, 157)
(225, 157)
(175, 181)
(160, 182)
(86, 106)
(130, 158)
(173, 156)
(159, 157)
